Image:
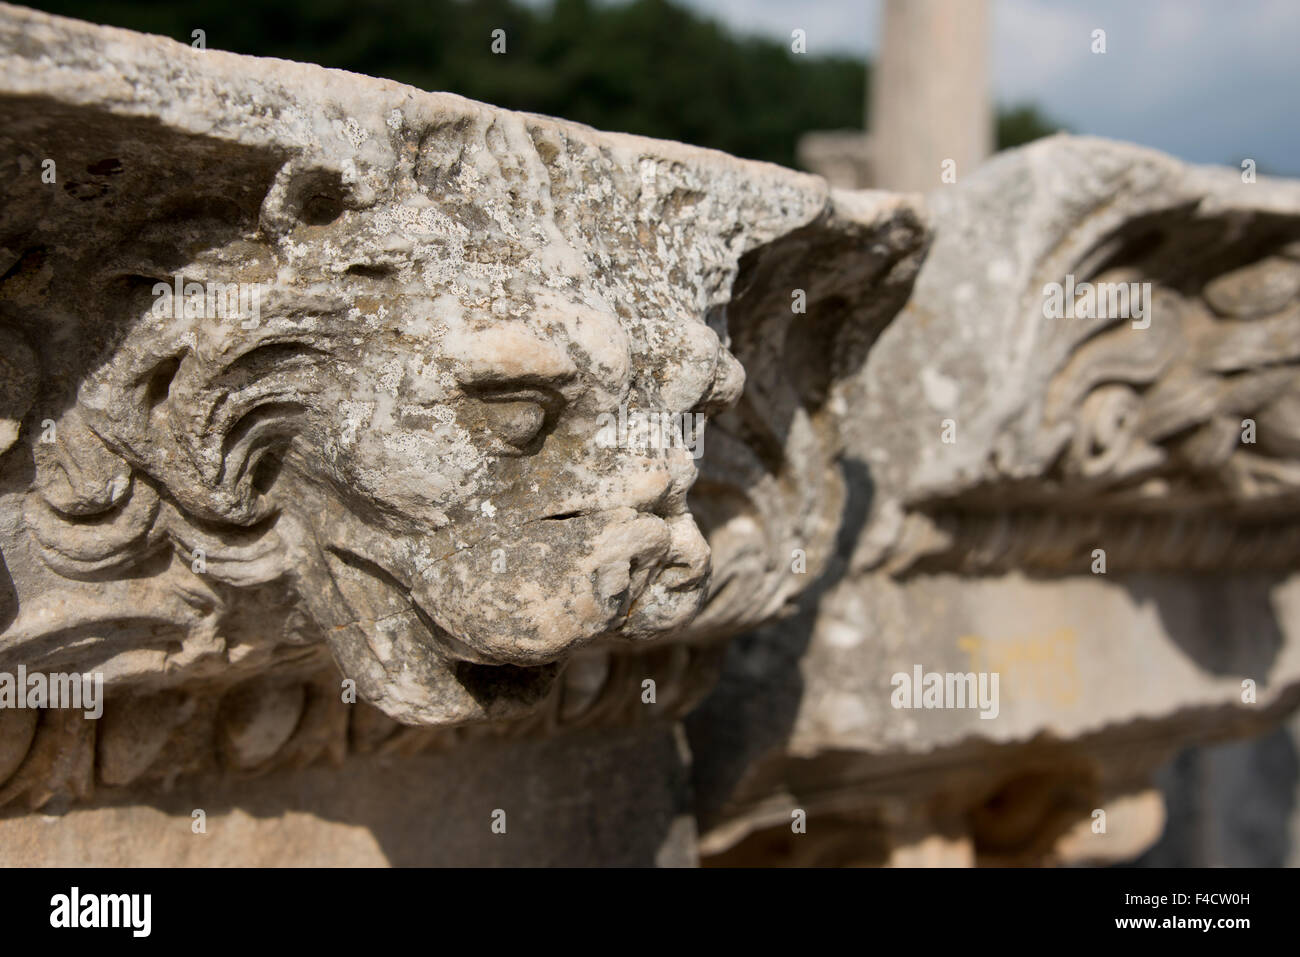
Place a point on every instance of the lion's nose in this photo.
(703, 376)
(728, 383)
(687, 562)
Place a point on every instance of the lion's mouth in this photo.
(459, 650)
(506, 683)
(529, 595)
(480, 634)
(366, 584)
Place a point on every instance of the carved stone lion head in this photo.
(440, 302)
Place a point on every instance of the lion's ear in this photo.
(203, 410)
(304, 193)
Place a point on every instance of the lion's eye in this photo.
(517, 417)
(515, 422)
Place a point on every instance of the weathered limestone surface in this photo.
(978, 554)
(600, 798)
(844, 157)
(394, 458)
(383, 551)
(1097, 413)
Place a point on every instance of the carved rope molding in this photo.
(387, 453)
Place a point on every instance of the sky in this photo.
(1210, 81)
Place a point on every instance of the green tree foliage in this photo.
(1021, 124)
(651, 67)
